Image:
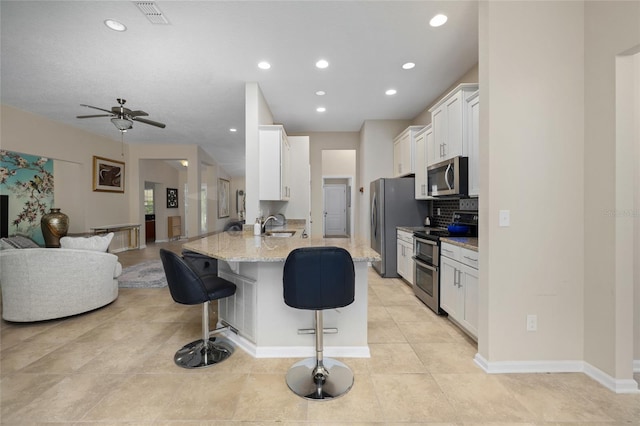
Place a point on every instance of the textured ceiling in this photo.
(191, 73)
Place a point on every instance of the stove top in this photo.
(432, 233)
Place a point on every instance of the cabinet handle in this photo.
(470, 258)
(459, 278)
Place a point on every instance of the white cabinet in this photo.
(423, 138)
(449, 122)
(473, 135)
(239, 309)
(404, 152)
(274, 163)
(459, 286)
(404, 260)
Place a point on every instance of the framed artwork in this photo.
(223, 198)
(172, 198)
(108, 175)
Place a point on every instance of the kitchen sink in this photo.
(280, 234)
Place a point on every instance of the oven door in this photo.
(426, 284)
(426, 250)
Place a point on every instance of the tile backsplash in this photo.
(448, 206)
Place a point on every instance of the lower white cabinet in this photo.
(459, 286)
(404, 260)
(239, 310)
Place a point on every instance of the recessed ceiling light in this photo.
(321, 93)
(391, 92)
(233, 130)
(438, 20)
(115, 25)
(321, 109)
(322, 64)
(408, 66)
(264, 65)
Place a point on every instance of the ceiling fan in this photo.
(122, 117)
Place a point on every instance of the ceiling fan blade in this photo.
(138, 113)
(153, 123)
(101, 109)
(92, 116)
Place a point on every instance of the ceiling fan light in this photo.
(122, 123)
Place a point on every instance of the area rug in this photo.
(143, 275)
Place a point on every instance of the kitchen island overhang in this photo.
(266, 326)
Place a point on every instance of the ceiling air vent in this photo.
(152, 12)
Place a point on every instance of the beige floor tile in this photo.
(548, 398)
(447, 357)
(18, 390)
(425, 332)
(378, 313)
(412, 398)
(412, 312)
(360, 404)
(19, 356)
(482, 398)
(266, 397)
(394, 358)
(67, 400)
(391, 295)
(15, 333)
(384, 332)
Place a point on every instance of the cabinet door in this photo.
(448, 286)
(270, 158)
(285, 172)
(408, 259)
(400, 263)
(469, 298)
(432, 151)
(397, 159)
(406, 154)
(473, 108)
(421, 167)
(439, 126)
(454, 134)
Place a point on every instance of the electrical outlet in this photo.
(532, 323)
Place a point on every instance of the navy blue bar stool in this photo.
(189, 287)
(317, 278)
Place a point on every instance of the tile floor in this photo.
(115, 366)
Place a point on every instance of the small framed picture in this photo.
(172, 198)
(223, 198)
(108, 175)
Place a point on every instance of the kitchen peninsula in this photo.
(266, 326)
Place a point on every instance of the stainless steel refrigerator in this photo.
(392, 205)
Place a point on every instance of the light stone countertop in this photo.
(243, 246)
(466, 242)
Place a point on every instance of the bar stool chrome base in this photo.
(313, 379)
(203, 353)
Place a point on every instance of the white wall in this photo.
(342, 163)
(375, 160)
(611, 28)
(32, 134)
(532, 163)
(257, 112)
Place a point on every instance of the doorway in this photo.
(337, 210)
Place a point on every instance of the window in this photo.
(148, 201)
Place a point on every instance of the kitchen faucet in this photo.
(264, 224)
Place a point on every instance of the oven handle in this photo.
(420, 240)
(424, 265)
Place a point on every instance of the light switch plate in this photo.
(505, 218)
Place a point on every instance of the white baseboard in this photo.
(296, 351)
(615, 385)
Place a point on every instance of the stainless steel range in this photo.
(426, 250)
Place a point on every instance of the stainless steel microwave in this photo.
(449, 177)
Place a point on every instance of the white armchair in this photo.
(40, 284)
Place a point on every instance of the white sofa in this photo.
(40, 284)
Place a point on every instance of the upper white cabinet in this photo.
(449, 120)
(274, 163)
(424, 139)
(404, 152)
(473, 112)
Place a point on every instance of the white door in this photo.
(335, 210)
